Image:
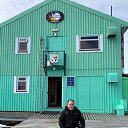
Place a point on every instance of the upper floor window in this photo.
(23, 45)
(90, 43)
(21, 84)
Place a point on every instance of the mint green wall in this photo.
(10, 101)
(78, 20)
(125, 89)
(91, 93)
(35, 25)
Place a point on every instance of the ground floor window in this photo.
(21, 84)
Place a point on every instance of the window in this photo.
(21, 84)
(91, 43)
(23, 45)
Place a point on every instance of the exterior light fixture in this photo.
(55, 31)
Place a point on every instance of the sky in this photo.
(10, 8)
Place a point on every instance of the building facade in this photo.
(60, 50)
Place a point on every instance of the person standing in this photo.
(71, 117)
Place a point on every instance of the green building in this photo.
(59, 50)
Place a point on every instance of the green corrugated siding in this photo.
(86, 91)
(35, 25)
(125, 89)
(10, 101)
(77, 21)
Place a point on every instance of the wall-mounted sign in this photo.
(55, 16)
(70, 81)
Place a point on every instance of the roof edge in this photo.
(96, 11)
(72, 3)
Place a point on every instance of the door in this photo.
(90, 93)
(54, 92)
(55, 43)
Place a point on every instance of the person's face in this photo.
(70, 105)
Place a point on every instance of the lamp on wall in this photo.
(54, 68)
(55, 31)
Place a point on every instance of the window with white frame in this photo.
(21, 84)
(23, 45)
(87, 43)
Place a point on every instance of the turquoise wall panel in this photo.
(54, 43)
(90, 93)
(96, 93)
(125, 89)
(78, 20)
(83, 92)
(10, 101)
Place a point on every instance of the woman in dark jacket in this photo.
(71, 117)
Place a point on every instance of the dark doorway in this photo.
(54, 92)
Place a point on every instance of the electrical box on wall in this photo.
(112, 77)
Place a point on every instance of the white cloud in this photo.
(10, 8)
(120, 7)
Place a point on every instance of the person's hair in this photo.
(71, 100)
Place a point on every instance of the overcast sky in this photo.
(10, 8)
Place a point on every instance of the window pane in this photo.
(89, 37)
(23, 39)
(89, 44)
(22, 78)
(21, 86)
(22, 46)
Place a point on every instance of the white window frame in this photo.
(19, 40)
(16, 80)
(100, 43)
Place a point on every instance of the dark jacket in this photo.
(71, 119)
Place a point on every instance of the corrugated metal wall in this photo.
(76, 22)
(125, 89)
(10, 101)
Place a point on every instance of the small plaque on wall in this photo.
(70, 81)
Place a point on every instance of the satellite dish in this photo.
(54, 58)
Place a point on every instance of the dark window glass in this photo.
(92, 44)
(22, 78)
(21, 86)
(89, 37)
(22, 46)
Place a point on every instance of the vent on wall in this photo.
(111, 32)
(112, 77)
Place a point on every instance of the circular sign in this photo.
(55, 16)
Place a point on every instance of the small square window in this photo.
(23, 45)
(89, 43)
(21, 84)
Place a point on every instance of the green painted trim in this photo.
(67, 2)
